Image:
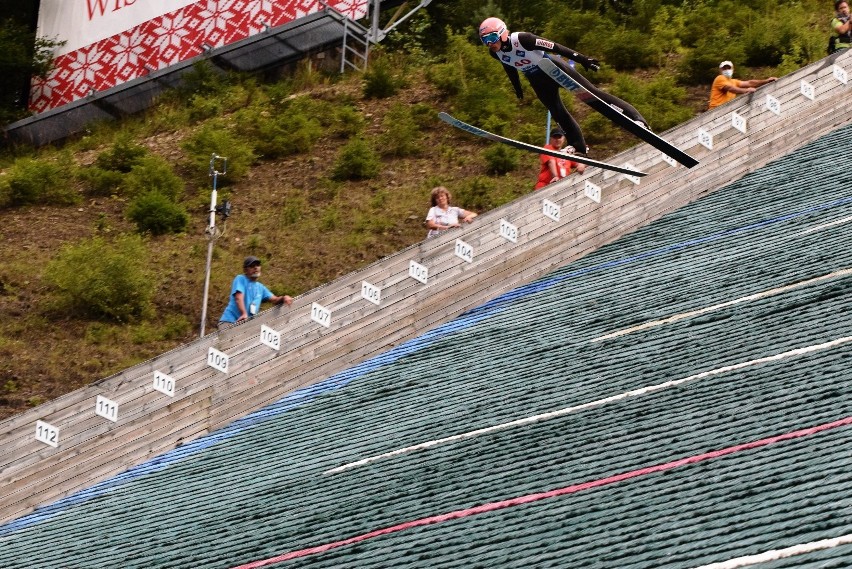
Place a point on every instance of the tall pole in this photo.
(374, 31)
(547, 134)
(211, 233)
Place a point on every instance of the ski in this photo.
(533, 148)
(614, 114)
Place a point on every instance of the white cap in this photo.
(726, 63)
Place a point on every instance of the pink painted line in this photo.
(529, 498)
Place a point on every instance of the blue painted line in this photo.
(542, 285)
(307, 394)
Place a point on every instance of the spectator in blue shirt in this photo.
(247, 294)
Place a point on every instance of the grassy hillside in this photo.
(326, 174)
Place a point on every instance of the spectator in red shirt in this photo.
(553, 168)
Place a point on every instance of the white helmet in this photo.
(493, 29)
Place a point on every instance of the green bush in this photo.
(701, 65)
(482, 193)
(5, 192)
(122, 155)
(667, 29)
(425, 116)
(750, 35)
(314, 108)
(533, 133)
(168, 116)
(201, 107)
(202, 79)
(34, 181)
(215, 138)
(291, 130)
(413, 38)
(401, 136)
(597, 129)
(569, 27)
(769, 38)
(103, 280)
(500, 159)
(278, 93)
(477, 194)
(446, 77)
(619, 47)
(288, 135)
(155, 213)
(630, 49)
(465, 67)
(379, 79)
(347, 121)
(486, 106)
(240, 95)
(153, 173)
(356, 161)
(100, 182)
(726, 19)
(660, 101)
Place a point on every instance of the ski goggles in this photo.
(491, 38)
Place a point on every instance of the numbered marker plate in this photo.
(217, 360)
(47, 434)
(164, 383)
(773, 104)
(418, 272)
(464, 251)
(705, 138)
(808, 90)
(270, 337)
(634, 179)
(371, 292)
(840, 74)
(738, 122)
(508, 231)
(668, 159)
(321, 315)
(550, 209)
(592, 191)
(106, 408)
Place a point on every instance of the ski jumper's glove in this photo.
(591, 64)
(588, 63)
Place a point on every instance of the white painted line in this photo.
(775, 554)
(826, 225)
(700, 311)
(591, 404)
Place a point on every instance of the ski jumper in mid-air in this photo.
(521, 51)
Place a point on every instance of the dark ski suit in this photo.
(522, 51)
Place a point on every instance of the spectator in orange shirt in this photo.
(553, 168)
(725, 87)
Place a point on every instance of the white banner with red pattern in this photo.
(109, 42)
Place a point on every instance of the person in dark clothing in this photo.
(841, 25)
(521, 51)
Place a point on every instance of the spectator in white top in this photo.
(442, 216)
